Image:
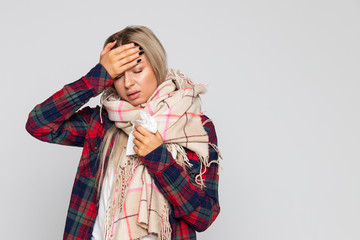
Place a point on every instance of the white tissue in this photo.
(148, 122)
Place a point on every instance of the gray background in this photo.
(284, 87)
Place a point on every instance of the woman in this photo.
(167, 188)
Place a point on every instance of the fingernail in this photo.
(140, 53)
(139, 60)
(140, 48)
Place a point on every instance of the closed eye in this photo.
(138, 71)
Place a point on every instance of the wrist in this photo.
(98, 78)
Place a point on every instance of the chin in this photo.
(137, 102)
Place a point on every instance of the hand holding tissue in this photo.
(148, 122)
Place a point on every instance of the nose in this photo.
(128, 79)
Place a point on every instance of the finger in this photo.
(127, 53)
(138, 136)
(136, 149)
(142, 130)
(129, 59)
(157, 134)
(137, 143)
(123, 68)
(108, 47)
(125, 47)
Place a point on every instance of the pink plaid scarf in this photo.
(176, 107)
(136, 207)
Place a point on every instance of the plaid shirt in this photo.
(59, 120)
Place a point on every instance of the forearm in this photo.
(47, 118)
(198, 207)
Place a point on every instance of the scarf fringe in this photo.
(123, 179)
(204, 164)
(166, 227)
(217, 150)
(176, 149)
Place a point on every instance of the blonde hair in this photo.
(156, 56)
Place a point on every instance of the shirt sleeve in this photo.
(198, 207)
(57, 119)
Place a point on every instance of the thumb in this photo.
(108, 47)
(157, 134)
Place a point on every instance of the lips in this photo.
(133, 94)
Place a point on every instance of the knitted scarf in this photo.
(176, 107)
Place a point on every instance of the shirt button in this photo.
(96, 148)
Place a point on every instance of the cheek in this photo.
(119, 88)
(151, 87)
(151, 82)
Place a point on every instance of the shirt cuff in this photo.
(157, 160)
(98, 79)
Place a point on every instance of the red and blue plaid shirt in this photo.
(59, 120)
